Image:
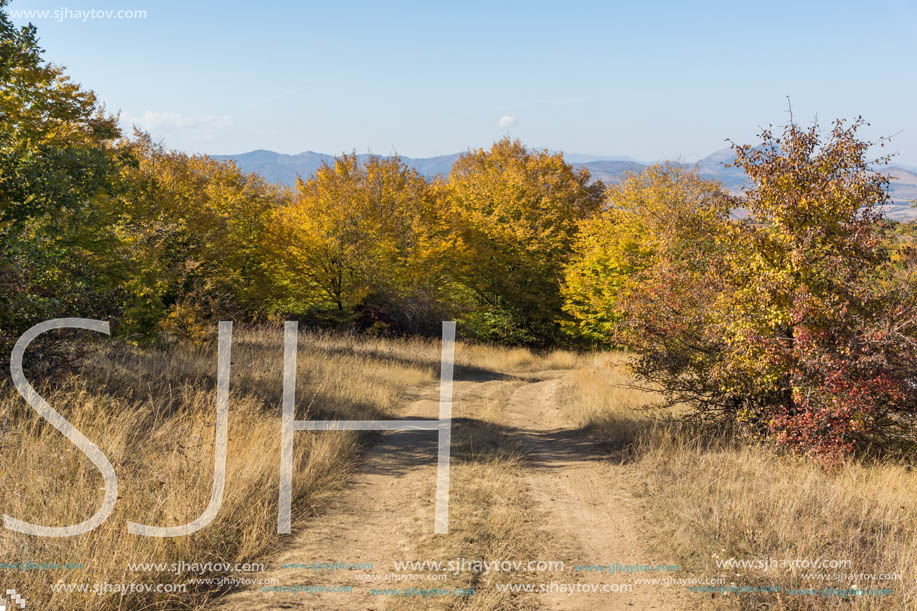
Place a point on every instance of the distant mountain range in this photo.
(284, 169)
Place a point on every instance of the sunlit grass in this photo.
(710, 496)
(152, 414)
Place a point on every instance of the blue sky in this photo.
(647, 79)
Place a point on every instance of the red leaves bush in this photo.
(853, 383)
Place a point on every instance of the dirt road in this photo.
(582, 509)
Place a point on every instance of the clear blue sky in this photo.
(649, 79)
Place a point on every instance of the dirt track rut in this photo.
(382, 510)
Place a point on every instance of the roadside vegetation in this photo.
(709, 496)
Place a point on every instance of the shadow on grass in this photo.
(627, 439)
(480, 441)
(461, 373)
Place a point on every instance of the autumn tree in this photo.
(195, 227)
(796, 322)
(664, 215)
(359, 233)
(59, 191)
(515, 213)
(646, 276)
(820, 320)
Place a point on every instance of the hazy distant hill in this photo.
(903, 185)
(611, 170)
(283, 169)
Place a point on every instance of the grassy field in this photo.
(707, 497)
(710, 497)
(151, 413)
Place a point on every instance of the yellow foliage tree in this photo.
(196, 227)
(358, 230)
(515, 212)
(663, 214)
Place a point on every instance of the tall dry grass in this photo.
(152, 413)
(710, 496)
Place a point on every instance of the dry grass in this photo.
(714, 498)
(600, 397)
(491, 516)
(151, 413)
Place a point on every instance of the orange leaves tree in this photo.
(195, 227)
(664, 217)
(646, 276)
(819, 320)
